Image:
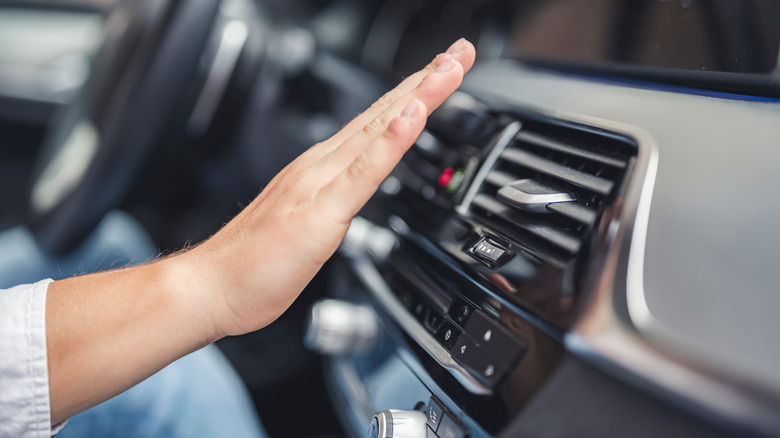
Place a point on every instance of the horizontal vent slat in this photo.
(546, 143)
(577, 212)
(572, 176)
(564, 240)
(500, 179)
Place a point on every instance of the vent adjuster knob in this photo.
(529, 195)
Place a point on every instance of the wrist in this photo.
(191, 289)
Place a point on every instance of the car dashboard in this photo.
(546, 233)
(582, 241)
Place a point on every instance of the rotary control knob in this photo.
(464, 120)
(337, 327)
(396, 423)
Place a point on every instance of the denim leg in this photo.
(199, 395)
(118, 241)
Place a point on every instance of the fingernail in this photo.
(411, 109)
(457, 47)
(446, 65)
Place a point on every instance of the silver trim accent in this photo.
(337, 327)
(370, 277)
(232, 41)
(397, 423)
(384, 425)
(504, 139)
(601, 336)
(363, 237)
(604, 339)
(515, 194)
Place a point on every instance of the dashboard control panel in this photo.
(490, 219)
(476, 340)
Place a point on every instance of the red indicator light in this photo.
(446, 176)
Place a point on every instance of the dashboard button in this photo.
(460, 312)
(494, 338)
(433, 320)
(488, 250)
(434, 412)
(463, 348)
(481, 363)
(448, 335)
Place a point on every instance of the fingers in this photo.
(432, 91)
(462, 51)
(346, 194)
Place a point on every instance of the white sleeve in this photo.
(24, 376)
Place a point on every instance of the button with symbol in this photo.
(497, 340)
(434, 411)
(462, 350)
(479, 362)
(460, 312)
(447, 335)
(488, 251)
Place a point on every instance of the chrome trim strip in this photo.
(603, 338)
(504, 139)
(232, 41)
(370, 277)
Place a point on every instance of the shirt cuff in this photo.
(24, 386)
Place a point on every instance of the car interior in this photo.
(582, 241)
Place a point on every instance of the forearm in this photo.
(108, 331)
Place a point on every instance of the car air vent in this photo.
(550, 184)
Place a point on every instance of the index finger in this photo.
(461, 50)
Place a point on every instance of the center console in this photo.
(470, 259)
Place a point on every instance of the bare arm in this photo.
(108, 331)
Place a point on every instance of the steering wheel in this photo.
(157, 55)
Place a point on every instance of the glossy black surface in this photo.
(497, 298)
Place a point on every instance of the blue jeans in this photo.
(199, 395)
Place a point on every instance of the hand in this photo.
(108, 331)
(254, 268)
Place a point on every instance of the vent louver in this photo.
(582, 167)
